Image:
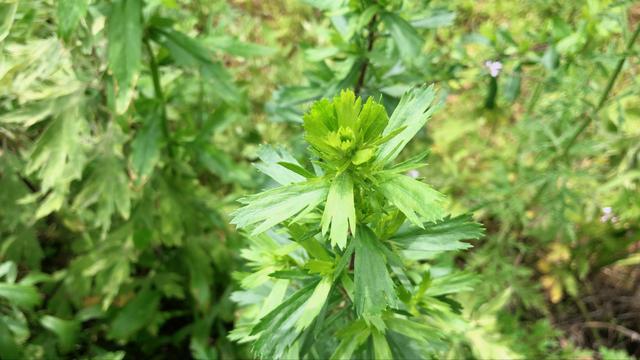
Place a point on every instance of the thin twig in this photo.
(634, 336)
(363, 70)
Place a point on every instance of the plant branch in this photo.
(159, 94)
(588, 118)
(621, 329)
(605, 94)
(363, 70)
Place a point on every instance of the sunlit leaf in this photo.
(339, 212)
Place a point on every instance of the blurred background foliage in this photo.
(128, 129)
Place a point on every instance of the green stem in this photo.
(159, 94)
(605, 94)
(589, 117)
(492, 93)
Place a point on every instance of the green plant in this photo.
(341, 257)
(111, 183)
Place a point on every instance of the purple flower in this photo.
(494, 67)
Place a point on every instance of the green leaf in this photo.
(277, 329)
(372, 120)
(190, 53)
(353, 336)
(416, 200)
(407, 39)
(24, 296)
(9, 348)
(374, 289)
(271, 159)
(339, 212)
(413, 111)
(7, 14)
(381, 348)
(451, 283)
(233, 46)
(272, 207)
(69, 14)
(108, 188)
(347, 107)
(412, 329)
(125, 49)
(434, 21)
(314, 304)
(67, 331)
(135, 315)
(200, 274)
(58, 155)
(146, 148)
(445, 235)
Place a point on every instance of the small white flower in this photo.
(494, 67)
(413, 173)
(608, 215)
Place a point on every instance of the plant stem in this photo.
(157, 88)
(589, 117)
(605, 94)
(365, 64)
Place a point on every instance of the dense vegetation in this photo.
(257, 179)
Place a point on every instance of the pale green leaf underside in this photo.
(416, 200)
(125, 49)
(314, 304)
(270, 165)
(340, 213)
(445, 235)
(413, 111)
(272, 207)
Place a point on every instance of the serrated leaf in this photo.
(125, 49)
(374, 289)
(451, 283)
(270, 165)
(277, 329)
(272, 207)
(353, 336)
(69, 14)
(66, 330)
(190, 53)
(108, 188)
(135, 315)
(58, 158)
(407, 39)
(372, 120)
(339, 212)
(416, 200)
(413, 111)
(445, 235)
(314, 304)
(146, 148)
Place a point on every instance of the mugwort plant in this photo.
(340, 256)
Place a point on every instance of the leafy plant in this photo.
(340, 256)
